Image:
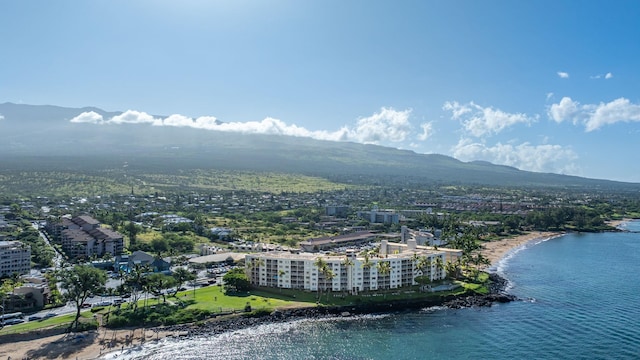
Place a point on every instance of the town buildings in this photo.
(82, 236)
(15, 257)
(376, 216)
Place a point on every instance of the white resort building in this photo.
(395, 266)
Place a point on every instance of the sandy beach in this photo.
(496, 250)
(92, 345)
(82, 346)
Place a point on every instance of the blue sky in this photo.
(547, 86)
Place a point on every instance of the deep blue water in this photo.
(581, 301)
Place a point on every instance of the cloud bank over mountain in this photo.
(478, 125)
(484, 130)
(386, 126)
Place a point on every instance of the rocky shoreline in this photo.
(222, 325)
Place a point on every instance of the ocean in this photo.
(580, 299)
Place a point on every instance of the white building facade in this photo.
(348, 273)
(15, 257)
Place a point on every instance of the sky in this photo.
(546, 86)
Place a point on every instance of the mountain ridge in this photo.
(45, 132)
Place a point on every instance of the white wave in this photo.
(433, 308)
(181, 345)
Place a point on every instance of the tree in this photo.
(322, 268)
(439, 263)
(384, 268)
(281, 274)
(366, 273)
(182, 275)
(80, 282)
(236, 280)
(132, 231)
(328, 276)
(424, 266)
(348, 264)
(134, 281)
(158, 282)
(160, 245)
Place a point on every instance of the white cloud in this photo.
(595, 116)
(387, 125)
(1, 117)
(539, 158)
(427, 131)
(549, 95)
(88, 117)
(563, 75)
(606, 76)
(482, 121)
(133, 117)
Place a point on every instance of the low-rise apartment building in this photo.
(15, 257)
(82, 236)
(389, 269)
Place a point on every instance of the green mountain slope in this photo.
(42, 137)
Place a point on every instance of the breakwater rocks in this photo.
(475, 300)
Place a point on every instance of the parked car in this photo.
(13, 321)
(104, 303)
(85, 305)
(35, 317)
(49, 315)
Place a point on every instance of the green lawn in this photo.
(63, 320)
(213, 299)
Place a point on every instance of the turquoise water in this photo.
(581, 301)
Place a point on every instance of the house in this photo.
(141, 258)
(36, 288)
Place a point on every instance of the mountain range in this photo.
(42, 137)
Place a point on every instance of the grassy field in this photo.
(62, 320)
(213, 299)
(119, 181)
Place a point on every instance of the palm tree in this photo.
(182, 275)
(328, 275)
(253, 267)
(366, 274)
(280, 282)
(348, 264)
(424, 263)
(439, 263)
(322, 267)
(135, 280)
(384, 268)
(479, 260)
(15, 281)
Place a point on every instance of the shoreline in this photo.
(497, 250)
(98, 343)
